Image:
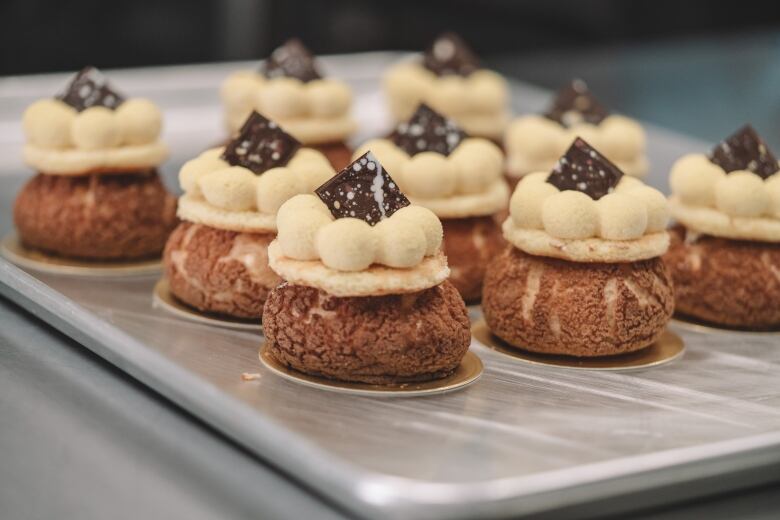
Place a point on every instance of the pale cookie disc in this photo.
(538, 242)
(199, 211)
(79, 162)
(713, 222)
(377, 280)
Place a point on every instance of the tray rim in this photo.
(370, 493)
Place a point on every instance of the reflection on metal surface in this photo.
(697, 325)
(469, 370)
(668, 348)
(16, 252)
(164, 299)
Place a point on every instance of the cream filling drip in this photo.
(532, 285)
(772, 267)
(611, 292)
(643, 297)
(250, 254)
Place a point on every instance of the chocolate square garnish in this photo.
(584, 169)
(427, 131)
(745, 150)
(89, 88)
(362, 190)
(261, 144)
(292, 60)
(450, 55)
(575, 104)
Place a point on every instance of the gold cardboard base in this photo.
(13, 250)
(164, 299)
(668, 348)
(469, 370)
(697, 325)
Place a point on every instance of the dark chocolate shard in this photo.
(575, 104)
(584, 169)
(450, 55)
(362, 190)
(745, 150)
(260, 145)
(89, 88)
(292, 60)
(427, 131)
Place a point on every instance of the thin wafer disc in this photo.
(166, 300)
(16, 252)
(469, 370)
(668, 348)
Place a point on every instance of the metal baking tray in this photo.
(521, 440)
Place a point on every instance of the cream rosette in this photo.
(234, 198)
(63, 141)
(738, 205)
(626, 225)
(467, 183)
(534, 143)
(314, 112)
(478, 102)
(349, 257)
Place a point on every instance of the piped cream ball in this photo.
(429, 175)
(308, 231)
(693, 178)
(275, 186)
(298, 221)
(96, 128)
(239, 189)
(656, 205)
(283, 98)
(772, 186)
(347, 244)
(428, 222)
(536, 137)
(622, 138)
(570, 214)
(328, 98)
(47, 123)
(631, 210)
(194, 169)
(525, 205)
(400, 242)
(229, 188)
(478, 163)
(620, 217)
(742, 194)
(139, 120)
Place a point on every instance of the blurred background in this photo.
(699, 67)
